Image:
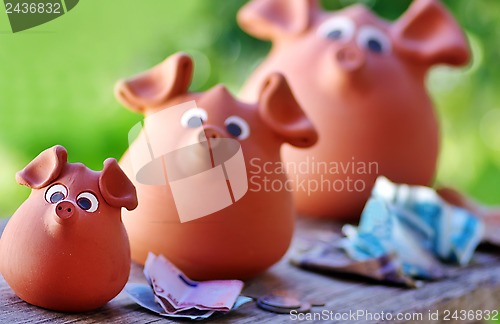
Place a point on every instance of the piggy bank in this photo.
(254, 230)
(361, 80)
(66, 248)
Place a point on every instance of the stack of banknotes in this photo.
(171, 293)
(405, 233)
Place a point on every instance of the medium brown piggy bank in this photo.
(361, 80)
(255, 227)
(66, 248)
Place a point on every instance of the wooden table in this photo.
(476, 287)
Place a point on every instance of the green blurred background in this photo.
(57, 80)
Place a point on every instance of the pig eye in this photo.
(87, 201)
(339, 28)
(193, 118)
(56, 193)
(237, 127)
(374, 40)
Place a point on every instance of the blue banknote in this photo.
(416, 225)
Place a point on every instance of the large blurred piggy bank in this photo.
(361, 80)
(66, 248)
(209, 205)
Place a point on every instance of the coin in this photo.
(280, 301)
(304, 308)
(317, 303)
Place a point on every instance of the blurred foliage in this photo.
(57, 80)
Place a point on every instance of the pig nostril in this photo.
(346, 55)
(69, 210)
(59, 208)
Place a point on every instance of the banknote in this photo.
(449, 232)
(418, 226)
(144, 296)
(172, 285)
(489, 215)
(171, 293)
(381, 234)
(331, 258)
(405, 233)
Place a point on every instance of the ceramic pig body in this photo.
(254, 232)
(362, 82)
(66, 248)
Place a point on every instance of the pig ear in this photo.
(267, 19)
(154, 87)
(44, 169)
(116, 187)
(428, 33)
(281, 112)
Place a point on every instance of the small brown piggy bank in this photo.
(361, 80)
(66, 248)
(255, 227)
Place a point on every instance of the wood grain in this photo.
(473, 288)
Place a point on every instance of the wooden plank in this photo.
(474, 288)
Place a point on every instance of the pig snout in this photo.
(212, 134)
(65, 212)
(350, 58)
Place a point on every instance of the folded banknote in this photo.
(171, 293)
(405, 233)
